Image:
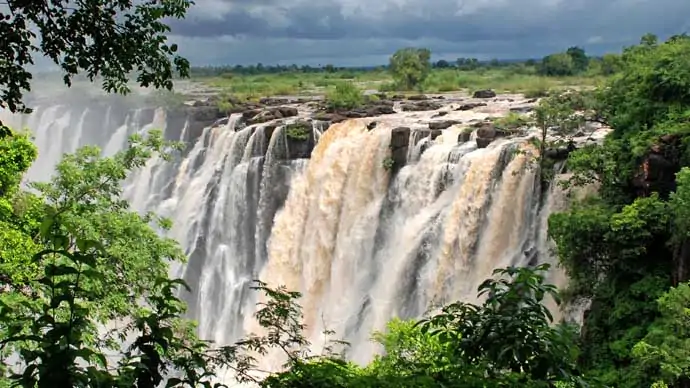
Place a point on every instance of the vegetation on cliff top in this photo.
(411, 69)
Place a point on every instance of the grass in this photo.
(265, 85)
(503, 80)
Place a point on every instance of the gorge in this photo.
(407, 205)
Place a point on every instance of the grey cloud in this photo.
(331, 29)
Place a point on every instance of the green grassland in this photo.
(514, 79)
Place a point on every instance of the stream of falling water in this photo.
(361, 245)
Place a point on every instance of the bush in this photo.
(345, 96)
(298, 131)
(511, 121)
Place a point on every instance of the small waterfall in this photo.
(362, 242)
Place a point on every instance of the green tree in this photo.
(508, 341)
(110, 39)
(579, 57)
(410, 67)
(610, 64)
(345, 95)
(625, 247)
(19, 212)
(558, 118)
(665, 350)
(559, 65)
(509, 338)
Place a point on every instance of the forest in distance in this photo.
(74, 256)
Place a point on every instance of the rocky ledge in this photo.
(489, 115)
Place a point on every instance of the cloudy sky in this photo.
(365, 32)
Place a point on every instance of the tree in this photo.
(467, 63)
(410, 67)
(610, 64)
(110, 39)
(558, 118)
(628, 244)
(559, 65)
(506, 341)
(509, 337)
(580, 59)
(442, 64)
(666, 347)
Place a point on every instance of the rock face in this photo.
(560, 153)
(658, 169)
(273, 101)
(370, 109)
(522, 109)
(486, 133)
(487, 93)
(470, 106)
(300, 139)
(256, 116)
(464, 137)
(442, 124)
(400, 142)
(197, 116)
(421, 106)
(329, 117)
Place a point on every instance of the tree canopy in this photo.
(410, 66)
(110, 39)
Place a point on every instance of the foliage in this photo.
(97, 262)
(507, 341)
(410, 67)
(19, 211)
(580, 59)
(559, 64)
(510, 335)
(345, 95)
(17, 152)
(666, 347)
(625, 248)
(300, 131)
(388, 163)
(110, 40)
(511, 121)
(558, 118)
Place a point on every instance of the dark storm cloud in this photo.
(306, 31)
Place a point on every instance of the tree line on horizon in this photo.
(570, 62)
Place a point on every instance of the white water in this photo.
(361, 245)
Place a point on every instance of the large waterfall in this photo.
(362, 241)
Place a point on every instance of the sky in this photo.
(367, 32)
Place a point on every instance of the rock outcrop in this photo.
(470, 106)
(442, 124)
(300, 139)
(657, 172)
(257, 116)
(486, 93)
(371, 108)
(421, 106)
(400, 142)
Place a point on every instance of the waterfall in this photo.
(363, 242)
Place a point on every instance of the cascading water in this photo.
(361, 241)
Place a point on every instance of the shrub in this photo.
(345, 96)
(298, 131)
